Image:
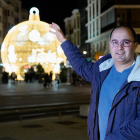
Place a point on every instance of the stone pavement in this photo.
(55, 128)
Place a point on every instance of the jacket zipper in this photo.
(116, 95)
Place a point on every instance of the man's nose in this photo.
(120, 46)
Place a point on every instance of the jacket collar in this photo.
(133, 76)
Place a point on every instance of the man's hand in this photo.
(58, 32)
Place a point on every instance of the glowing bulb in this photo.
(34, 36)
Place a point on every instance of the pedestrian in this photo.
(51, 74)
(57, 79)
(46, 80)
(114, 112)
(13, 77)
(74, 78)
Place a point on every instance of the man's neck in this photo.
(122, 67)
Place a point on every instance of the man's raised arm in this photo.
(76, 59)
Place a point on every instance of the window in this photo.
(90, 13)
(90, 30)
(111, 16)
(12, 25)
(93, 29)
(101, 47)
(8, 12)
(104, 20)
(108, 18)
(93, 11)
(78, 23)
(8, 26)
(96, 49)
(97, 27)
(17, 20)
(74, 23)
(78, 35)
(11, 13)
(97, 8)
(86, 15)
(105, 45)
(0, 33)
(18, 9)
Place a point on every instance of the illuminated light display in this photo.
(30, 43)
(98, 55)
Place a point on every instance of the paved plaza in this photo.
(72, 127)
(64, 128)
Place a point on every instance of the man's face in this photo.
(122, 54)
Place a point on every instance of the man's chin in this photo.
(119, 60)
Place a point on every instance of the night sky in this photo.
(52, 10)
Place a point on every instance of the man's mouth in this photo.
(120, 53)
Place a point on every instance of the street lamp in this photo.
(84, 52)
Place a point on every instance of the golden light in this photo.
(30, 43)
(98, 55)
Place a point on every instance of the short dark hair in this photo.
(131, 29)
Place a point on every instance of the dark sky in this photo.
(52, 10)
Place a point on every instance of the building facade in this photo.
(104, 15)
(72, 27)
(73, 34)
(84, 47)
(11, 14)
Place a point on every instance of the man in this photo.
(114, 112)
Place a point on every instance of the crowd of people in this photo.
(31, 76)
(47, 79)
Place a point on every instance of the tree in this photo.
(40, 72)
(63, 73)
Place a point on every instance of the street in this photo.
(34, 94)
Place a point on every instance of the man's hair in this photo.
(131, 29)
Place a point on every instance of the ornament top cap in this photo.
(34, 11)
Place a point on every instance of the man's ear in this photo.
(136, 45)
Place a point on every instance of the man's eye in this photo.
(115, 42)
(126, 42)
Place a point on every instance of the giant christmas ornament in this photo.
(30, 43)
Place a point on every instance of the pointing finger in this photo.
(56, 25)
